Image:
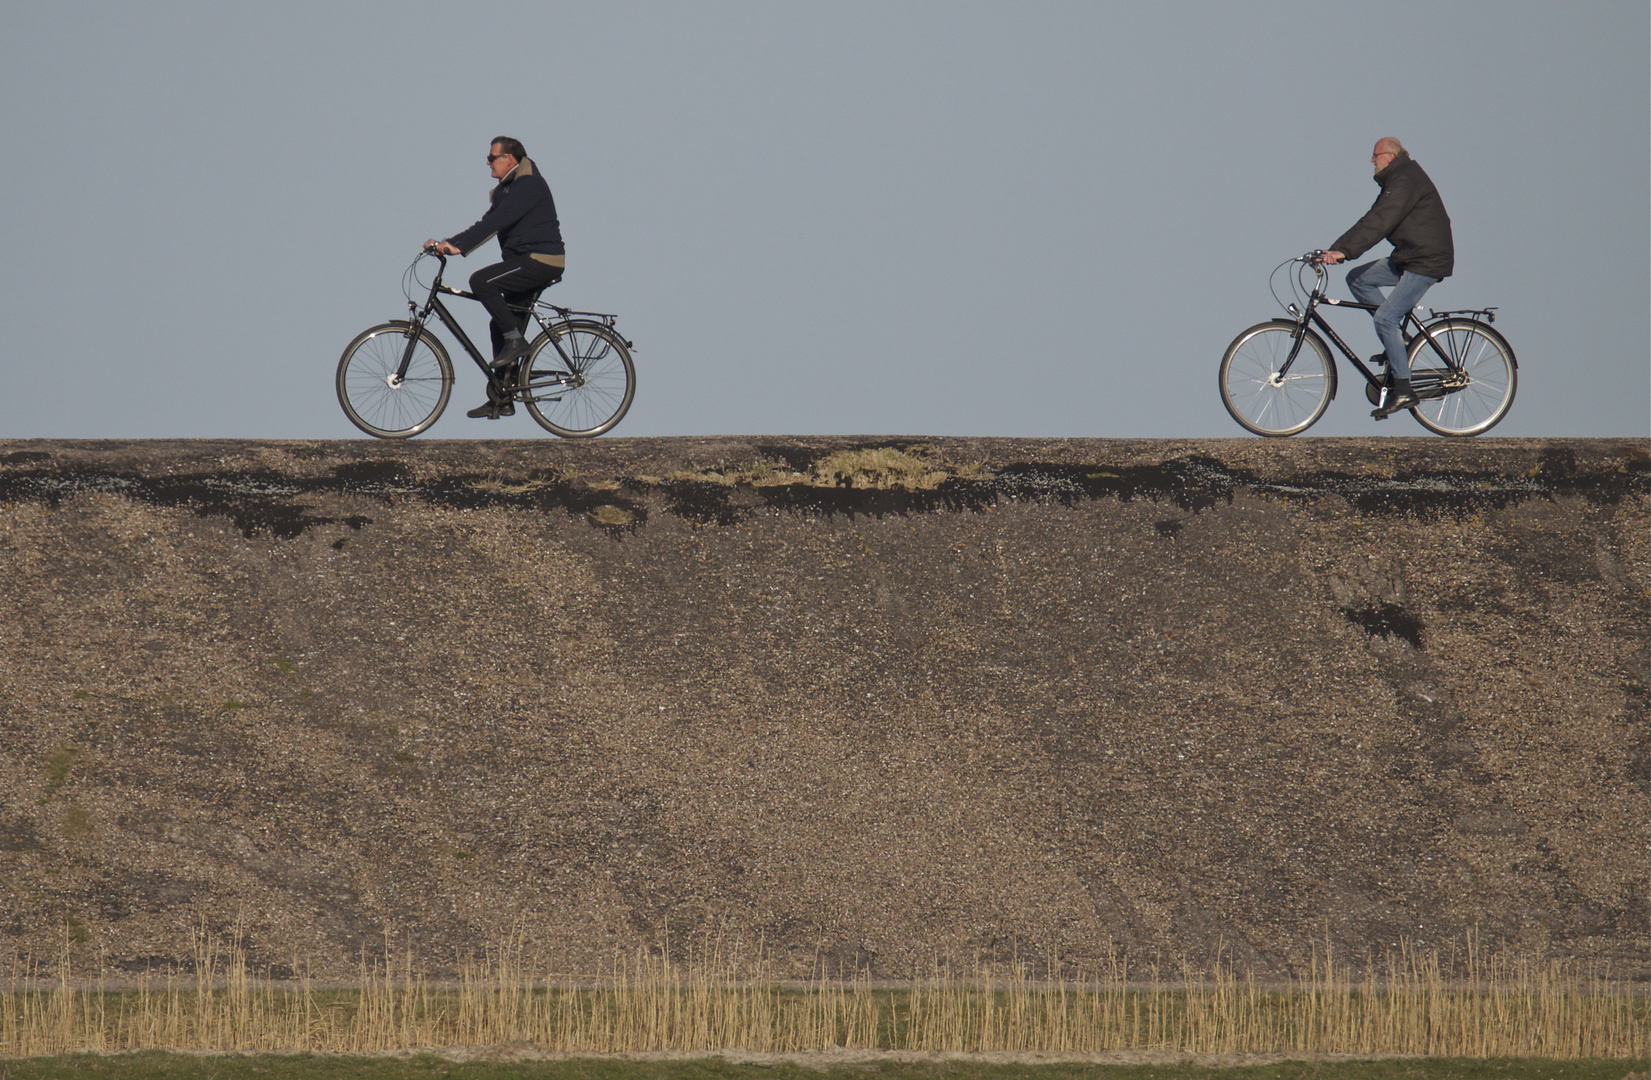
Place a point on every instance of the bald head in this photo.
(1386, 150)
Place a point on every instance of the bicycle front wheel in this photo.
(1466, 384)
(578, 381)
(1264, 397)
(386, 404)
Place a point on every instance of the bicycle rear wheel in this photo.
(380, 403)
(1471, 393)
(1266, 400)
(578, 381)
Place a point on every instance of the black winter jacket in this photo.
(523, 215)
(1410, 214)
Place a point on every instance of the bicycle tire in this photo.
(381, 406)
(1259, 398)
(588, 393)
(1473, 398)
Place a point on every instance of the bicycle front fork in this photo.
(415, 327)
(1295, 349)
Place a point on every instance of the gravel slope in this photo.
(866, 702)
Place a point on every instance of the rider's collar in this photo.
(1398, 159)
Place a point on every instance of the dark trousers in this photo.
(512, 282)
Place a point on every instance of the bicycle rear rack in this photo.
(538, 309)
(569, 313)
(603, 317)
(1487, 314)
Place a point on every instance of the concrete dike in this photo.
(863, 703)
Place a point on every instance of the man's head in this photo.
(1386, 150)
(505, 154)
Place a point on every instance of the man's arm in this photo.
(509, 208)
(1396, 200)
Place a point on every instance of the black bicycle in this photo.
(1277, 377)
(577, 378)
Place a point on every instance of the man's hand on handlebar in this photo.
(441, 247)
(1331, 258)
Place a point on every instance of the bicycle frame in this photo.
(434, 305)
(1317, 298)
(421, 316)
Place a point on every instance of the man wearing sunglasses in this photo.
(523, 217)
(1409, 214)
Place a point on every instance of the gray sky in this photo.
(1016, 219)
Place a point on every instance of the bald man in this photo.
(1409, 214)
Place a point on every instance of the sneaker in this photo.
(492, 410)
(1399, 398)
(513, 350)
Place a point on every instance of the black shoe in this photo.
(1399, 398)
(513, 350)
(492, 410)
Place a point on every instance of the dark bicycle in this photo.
(1277, 377)
(577, 378)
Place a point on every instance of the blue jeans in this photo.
(1366, 283)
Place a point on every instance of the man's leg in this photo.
(495, 286)
(1390, 318)
(1366, 283)
(500, 396)
(519, 319)
(499, 287)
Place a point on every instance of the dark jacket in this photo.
(1409, 214)
(523, 215)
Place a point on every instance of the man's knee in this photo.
(1359, 287)
(1388, 316)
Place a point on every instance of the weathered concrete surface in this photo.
(1049, 697)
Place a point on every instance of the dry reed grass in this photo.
(880, 468)
(1491, 1007)
(877, 467)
